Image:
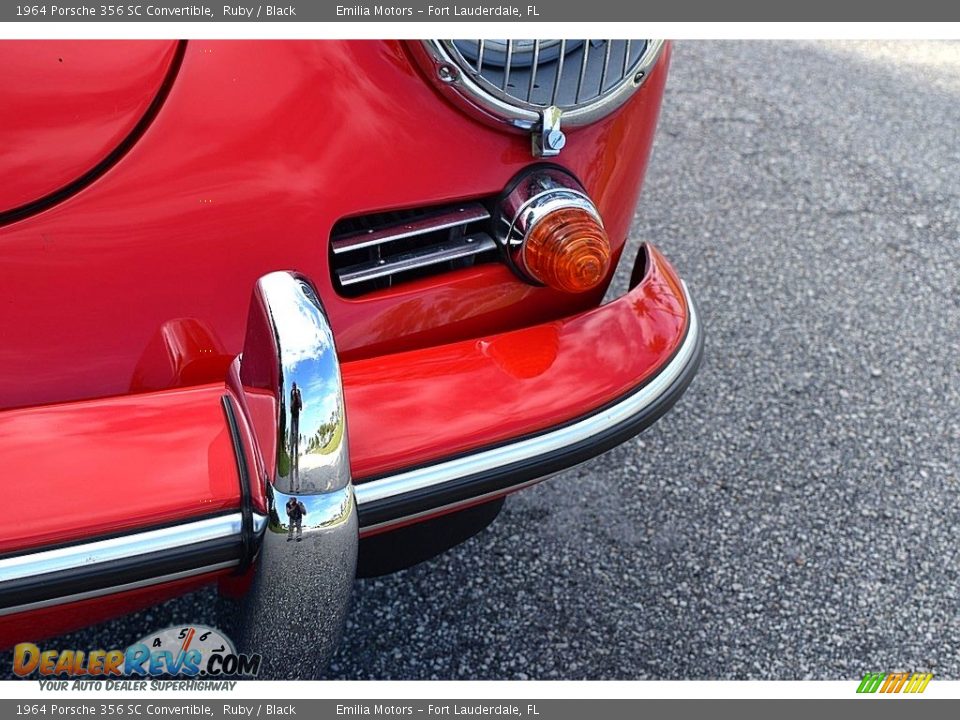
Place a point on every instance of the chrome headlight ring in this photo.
(573, 82)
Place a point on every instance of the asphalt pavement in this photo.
(797, 515)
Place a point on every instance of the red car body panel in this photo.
(125, 302)
(104, 466)
(67, 105)
(257, 151)
(47, 622)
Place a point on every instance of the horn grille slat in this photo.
(373, 252)
(541, 73)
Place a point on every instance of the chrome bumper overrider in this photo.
(301, 517)
(306, 562)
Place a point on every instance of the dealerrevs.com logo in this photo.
(192, 651)
(903, 682)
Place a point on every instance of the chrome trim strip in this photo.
(487, 460)
(466, 246)
(125, 546)
(100, 592)
(462, 215)
(368, 530)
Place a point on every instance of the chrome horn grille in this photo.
(536, 85)
(541, 73)
(376, 251)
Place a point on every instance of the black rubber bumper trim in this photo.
(243, 471)
(63, 584)
(503, 478)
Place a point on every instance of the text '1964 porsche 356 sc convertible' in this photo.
(278, 313)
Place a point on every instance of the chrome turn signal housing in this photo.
(553, 233)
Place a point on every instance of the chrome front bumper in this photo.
(304, 582)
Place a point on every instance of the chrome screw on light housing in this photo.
(550, 140)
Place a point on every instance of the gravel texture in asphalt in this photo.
(798, 514)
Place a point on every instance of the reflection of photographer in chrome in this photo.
(296, 405)
(295, 513)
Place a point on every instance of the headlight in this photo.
(535, 85)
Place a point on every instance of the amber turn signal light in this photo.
(567, 249)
